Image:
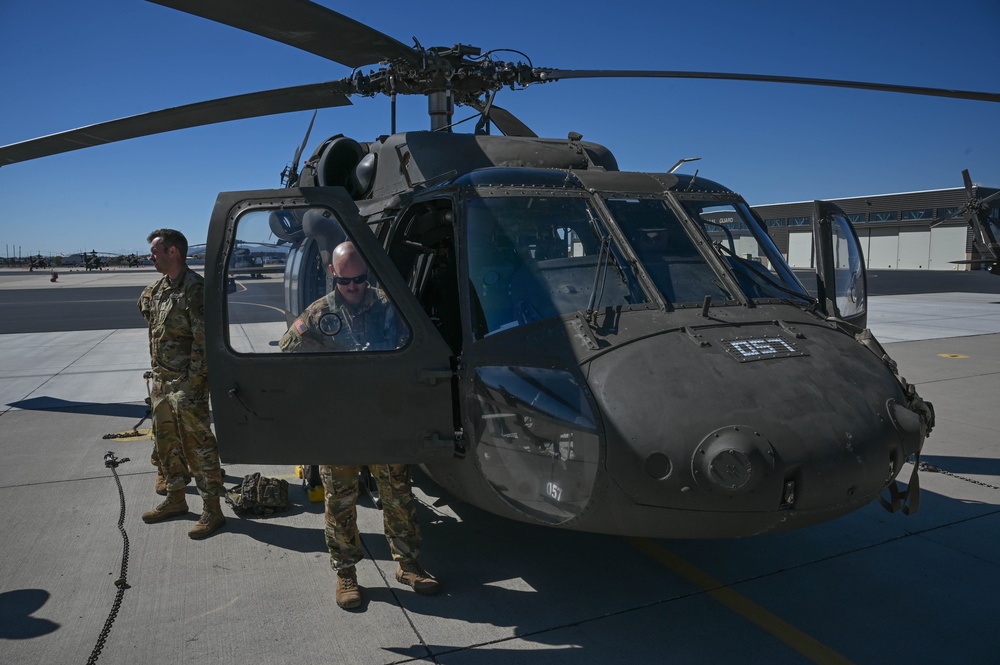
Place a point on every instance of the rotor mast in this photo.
(440, 107)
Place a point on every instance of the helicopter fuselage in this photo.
(589, 349)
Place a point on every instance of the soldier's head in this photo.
(349, 272)
(168, 251)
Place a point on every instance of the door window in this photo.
(345, 309)
(849, 276)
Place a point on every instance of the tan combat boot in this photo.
(173, 506)
(411, 574)
(211, 520)
(348, 591)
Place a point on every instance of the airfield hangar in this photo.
(895, 229)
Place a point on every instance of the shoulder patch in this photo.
(300, 326)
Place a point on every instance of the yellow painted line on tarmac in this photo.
(809, 647)
(951, 355)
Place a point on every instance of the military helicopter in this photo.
(37, 262)
(985, 231)
(131, 260)
(256, 261)
(95, 260)
(585, 348)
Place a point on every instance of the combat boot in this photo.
(172, 506)
(348, 591)
(211, 520)
(411, 574)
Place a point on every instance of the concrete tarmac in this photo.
(871, 587)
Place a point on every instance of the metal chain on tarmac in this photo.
(134, 432)
(112, 462)
(924, 466)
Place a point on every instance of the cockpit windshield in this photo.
(536, 257)
(539, 256)
(759, 267)
(664, 248)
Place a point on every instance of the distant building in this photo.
(894, 229)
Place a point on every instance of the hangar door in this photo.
(883, 247)
(914, 249)
(800, 251)
(948, 244)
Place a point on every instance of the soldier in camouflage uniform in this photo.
(356, 317)
(174, 309)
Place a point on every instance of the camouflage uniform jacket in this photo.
(175, 313)
(330, 324)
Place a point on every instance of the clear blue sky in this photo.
(70, 63)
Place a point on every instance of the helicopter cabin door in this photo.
(361, 376)
(841, 281)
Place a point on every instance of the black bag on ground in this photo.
(259, 495)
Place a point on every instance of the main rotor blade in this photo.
(557, 74)
(304, 25)
(238, 107)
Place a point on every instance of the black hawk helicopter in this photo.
(583, 347)
(985, 230)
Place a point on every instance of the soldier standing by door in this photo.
(174, 308)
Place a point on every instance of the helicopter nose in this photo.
(785, 442)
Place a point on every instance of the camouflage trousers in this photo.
(154, 459)
(399, 512)
(183, 441)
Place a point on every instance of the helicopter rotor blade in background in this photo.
(302, 146)
(304, 25)
(291, 172)
(955, 215)
(969, 209)
(559, 74)
(970, 189)
(238, 107)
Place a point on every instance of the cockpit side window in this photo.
(422, 245)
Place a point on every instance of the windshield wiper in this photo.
(758, 271)
(599, 277)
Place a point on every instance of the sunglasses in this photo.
(344, 281)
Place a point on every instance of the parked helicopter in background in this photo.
(131, 260)
(585, 348)
(985, 230)
(38, 263)
(252, 259)
(96, 260)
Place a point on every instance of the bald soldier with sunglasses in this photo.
(358, 317)
(352, 317)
